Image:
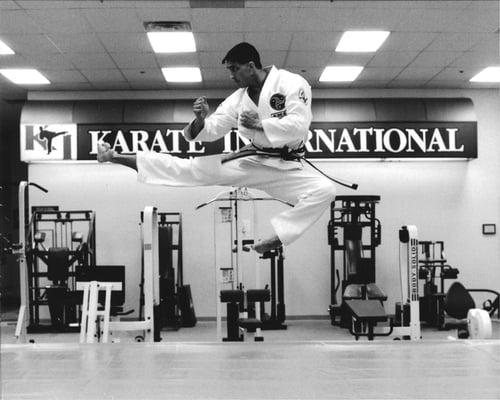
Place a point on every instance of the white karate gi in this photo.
(284, 110)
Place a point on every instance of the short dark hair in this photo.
(242, 53)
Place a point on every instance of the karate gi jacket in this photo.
(284, 109)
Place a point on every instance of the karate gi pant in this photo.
(310, 192)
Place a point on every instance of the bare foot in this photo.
(268, 244)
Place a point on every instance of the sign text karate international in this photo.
(327, 140)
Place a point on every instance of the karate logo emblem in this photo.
(277, 101)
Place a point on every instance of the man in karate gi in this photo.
(271, 108)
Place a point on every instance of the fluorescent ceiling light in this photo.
(172, 42)
(489, 74)
(361, 41)
(182, 74)
(25, 76)
(340, 74)
(4, 49)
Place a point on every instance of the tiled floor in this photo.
(310, 360)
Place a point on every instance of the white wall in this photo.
(447, 200)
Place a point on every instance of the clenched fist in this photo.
(200, 108)
(104, 152)
(250, 120)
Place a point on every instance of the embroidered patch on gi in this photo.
(277, 101)
(279, 114)
(302, 96)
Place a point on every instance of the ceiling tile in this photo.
(491, 44)
(18, 22)
(415, 41)
(134, 60)
(269, 40)
(474, 20)
(481, 4)
(215, 74)
(369, 18)
(159, 4)
(178, 60)
(211, 59)
(30, 44)
(456, 41)
(432, 4)
(392, 58)
(91, 60)
(114, 20)
(454, 74)
(424, 73)
(435, 58)
(309, 19)
(46, 4)
(269, 20)
(310, 74)
(64, 76)
(49, 61)
(308, 58)
(14, 61)
(222, 41)
(77, 43)
(475, 59)
(127, 42)
(310, 41)
(449, 20)
(9, 5)
(218, 20)
(383, 74)
(163, 14)
(103, 75)
(60, 20)
(219, 85)
(142, 75)
(268, 57)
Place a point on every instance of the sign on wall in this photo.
(55, 142)
(327, 140)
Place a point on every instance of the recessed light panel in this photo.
(4, 49)
(340, 73)
(25, 76)
(181, 74)
(489, 74)
(361, 41)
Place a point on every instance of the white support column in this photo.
(151, 270)
(22, 318)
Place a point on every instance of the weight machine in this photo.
(96, 321)
(354, 233)
(176, 305)
(234, 233)
(55, 249)
(366, 313)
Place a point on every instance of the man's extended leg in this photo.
(310, 192)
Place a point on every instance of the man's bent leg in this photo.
(311, 194)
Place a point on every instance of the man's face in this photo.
(240, 73)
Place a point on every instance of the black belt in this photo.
(284, 153)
